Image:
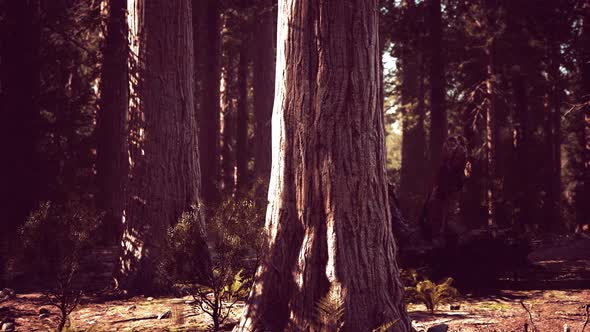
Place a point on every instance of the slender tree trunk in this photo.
(112, 150)
(553, 141)
(474, 192)
(438, 114)
(328, 223)
(228, 135)
(263, 82)
(520, 143)
(209, 115)
(165, 174)
(490, 139)
(242, 151)
(412, 185)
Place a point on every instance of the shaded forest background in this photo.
(510, 79)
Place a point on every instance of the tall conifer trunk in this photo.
(325, 237)
(112, 149)
(165, 173)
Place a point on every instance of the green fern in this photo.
(386, 326)
(330, 312)
(432, 294)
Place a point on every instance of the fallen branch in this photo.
(135, 319)
(530, 316)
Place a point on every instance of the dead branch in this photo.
(530, 315)
(135, 319)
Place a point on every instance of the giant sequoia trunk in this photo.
(165, 165)
(328, 222)
(112, 156)
(438, 114)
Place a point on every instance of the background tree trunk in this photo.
(112, 161)
(520, 180)
(21, 170)
(438, 114)
(521, 138)
(324, 236)
(209, 107)
(242, 146)
(165, 162)
(583, 188)
(412, 185)
(490, 138)
(553, 139)
(264, 85)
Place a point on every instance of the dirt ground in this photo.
(565, 274)
(550, 309)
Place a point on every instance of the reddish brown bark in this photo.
(165, 176)
(328, 222)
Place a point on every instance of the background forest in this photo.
(138, 144)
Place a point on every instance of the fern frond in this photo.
(330, 312)
(386, 326)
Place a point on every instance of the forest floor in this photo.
(558, 302)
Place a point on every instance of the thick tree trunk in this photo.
(242, 146)
(328, 222)
(583, 189)
(412, 185)
(518, 185)
(165, 176)
(438, 114)
(209, 107)
(263, 82)
(21, 169)
(112, 161)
